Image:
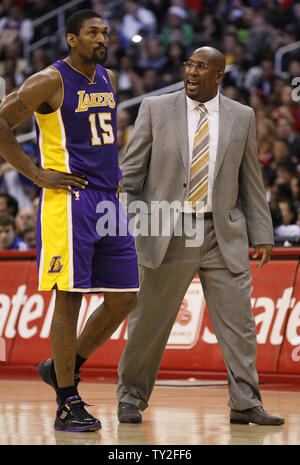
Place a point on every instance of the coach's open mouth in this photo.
(192, 85)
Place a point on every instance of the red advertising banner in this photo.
(192, 349)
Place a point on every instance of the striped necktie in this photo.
(199, 167)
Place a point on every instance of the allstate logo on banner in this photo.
(186, 329)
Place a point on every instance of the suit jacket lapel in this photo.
(179, 117)
(226, 120)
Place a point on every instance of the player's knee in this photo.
(128, 302)
(123, 303)
(131, 301)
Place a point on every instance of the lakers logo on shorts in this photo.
(55, 264)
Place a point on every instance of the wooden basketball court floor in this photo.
(178, 414)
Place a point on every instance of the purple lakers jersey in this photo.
(81, 135)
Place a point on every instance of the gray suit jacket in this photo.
(156, 168)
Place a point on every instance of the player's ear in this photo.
(71, 39)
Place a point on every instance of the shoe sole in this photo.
(242, 421)
(130, 420)
(78, 429)
(239, 422)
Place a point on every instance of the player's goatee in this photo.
(100, 59)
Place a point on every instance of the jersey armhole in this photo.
(62, 94)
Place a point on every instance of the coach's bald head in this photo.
(203, 73)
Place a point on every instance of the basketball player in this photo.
(74, 103)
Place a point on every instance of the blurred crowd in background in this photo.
(149, 41)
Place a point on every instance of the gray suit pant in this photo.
(228, 302)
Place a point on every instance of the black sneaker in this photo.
(72, 416)
(47, 374)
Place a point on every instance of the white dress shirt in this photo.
(193, 115)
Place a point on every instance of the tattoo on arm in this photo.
(21, 104)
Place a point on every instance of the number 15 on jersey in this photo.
(107, 136)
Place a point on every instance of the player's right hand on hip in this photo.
(52, 179)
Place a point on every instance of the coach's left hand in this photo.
(266, 254)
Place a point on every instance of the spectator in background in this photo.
(151, 80)
(8, 205)
(10, 83)
(24, 219)
(29, 236)
(206, 32)
(280, 152)
(259, 35)
(289, 212)
(295, 188)
(123, 131)
(288, 108)
(15, 29)
(283, 232)
(152, 54)
(128, 78)
(118, 43)
(15, 184)
(232, 92)
(265, 132)
(18, 63)
(285, 130)
(275, 214)
(4, 8)
(275, 96)
(8, 238)
(137, 19)
(294, 69)
(265, 83)
(280, 192)
(159, 8)
(295, 16)
(235, 75)
(173, 70)
(177, 20)
(38, 62)
(258, 101)
(39, 8)
(285, 172)
(229, 42)
(35, 206)
(8, 67)
(262, 112)
(115, 52)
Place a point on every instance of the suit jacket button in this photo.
(184, 184)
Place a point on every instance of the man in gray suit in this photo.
(173, 136)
